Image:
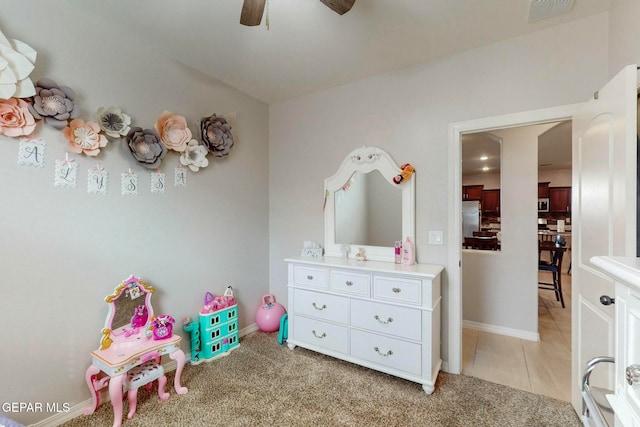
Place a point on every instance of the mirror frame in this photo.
(107, 332)
(367, 159)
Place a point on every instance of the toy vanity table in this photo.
(133, 342)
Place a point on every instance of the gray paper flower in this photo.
(216, 135)
(53, 103)
(145, 147)
(114, 122)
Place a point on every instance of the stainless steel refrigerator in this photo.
(471, 218)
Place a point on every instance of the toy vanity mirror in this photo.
(369, 205)
(129, 313)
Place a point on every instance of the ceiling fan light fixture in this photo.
(252, 11)
(339, 6)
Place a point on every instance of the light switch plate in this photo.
(436, 238)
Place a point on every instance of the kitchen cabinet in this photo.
(543, 190)
(559, 199)
(472, 192)
(491, 201)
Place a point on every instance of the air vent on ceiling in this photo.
(540, 9)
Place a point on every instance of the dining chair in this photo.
(554, 266)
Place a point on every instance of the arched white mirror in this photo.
(366, 208)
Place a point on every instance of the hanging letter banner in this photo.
(66, 173)
(129, 183)
(31, 152)
(180, 176)
(157, 182)
(97, 181)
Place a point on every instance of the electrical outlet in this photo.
(436, 238)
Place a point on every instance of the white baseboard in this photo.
(501, 330)
(78, 409)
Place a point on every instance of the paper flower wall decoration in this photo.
(15, 118)
(114, 122)
(145, 146)
(17, 61)
(195, 156)
(173, 131)
(216, 135)
(84, 137)
(53, 103)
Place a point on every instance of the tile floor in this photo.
(540, 367)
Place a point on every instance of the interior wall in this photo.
(407, 113)
(499, 289)
(555, 177)
(624, 35)
(491, 181)
(63, 250)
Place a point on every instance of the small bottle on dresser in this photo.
(398, 251)
(408, 252)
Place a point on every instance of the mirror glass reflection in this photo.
(368, 211)
(130, 306)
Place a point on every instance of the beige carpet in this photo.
(264, 384)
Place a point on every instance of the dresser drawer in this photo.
(351, 283)
(310, 277)
(403, 322)
(322, 334)
(398, 290)
(321, 306)
(390, 352)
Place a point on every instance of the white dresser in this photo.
(381, 315)
(625, 400)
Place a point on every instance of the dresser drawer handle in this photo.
(633, 375)
(318, 336)
(309, 277)
(319, 308)
(387, 354)
(389, 320)
(348, 283)
(396, 290)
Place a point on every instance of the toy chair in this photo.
(144, 375)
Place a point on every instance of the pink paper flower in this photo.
(15, 118)
(173, 131)
(84, 137)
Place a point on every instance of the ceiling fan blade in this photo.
(252, 12)
(339, 6)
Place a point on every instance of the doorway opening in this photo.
(500, 301)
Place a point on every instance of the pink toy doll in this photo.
(140, 316)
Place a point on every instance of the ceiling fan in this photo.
(252, 9)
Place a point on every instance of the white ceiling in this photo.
(308, 47)
(554, 150)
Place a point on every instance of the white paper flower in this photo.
(114, 122)
(17, 61)
(195, 156)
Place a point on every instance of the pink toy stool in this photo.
(144, 375)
